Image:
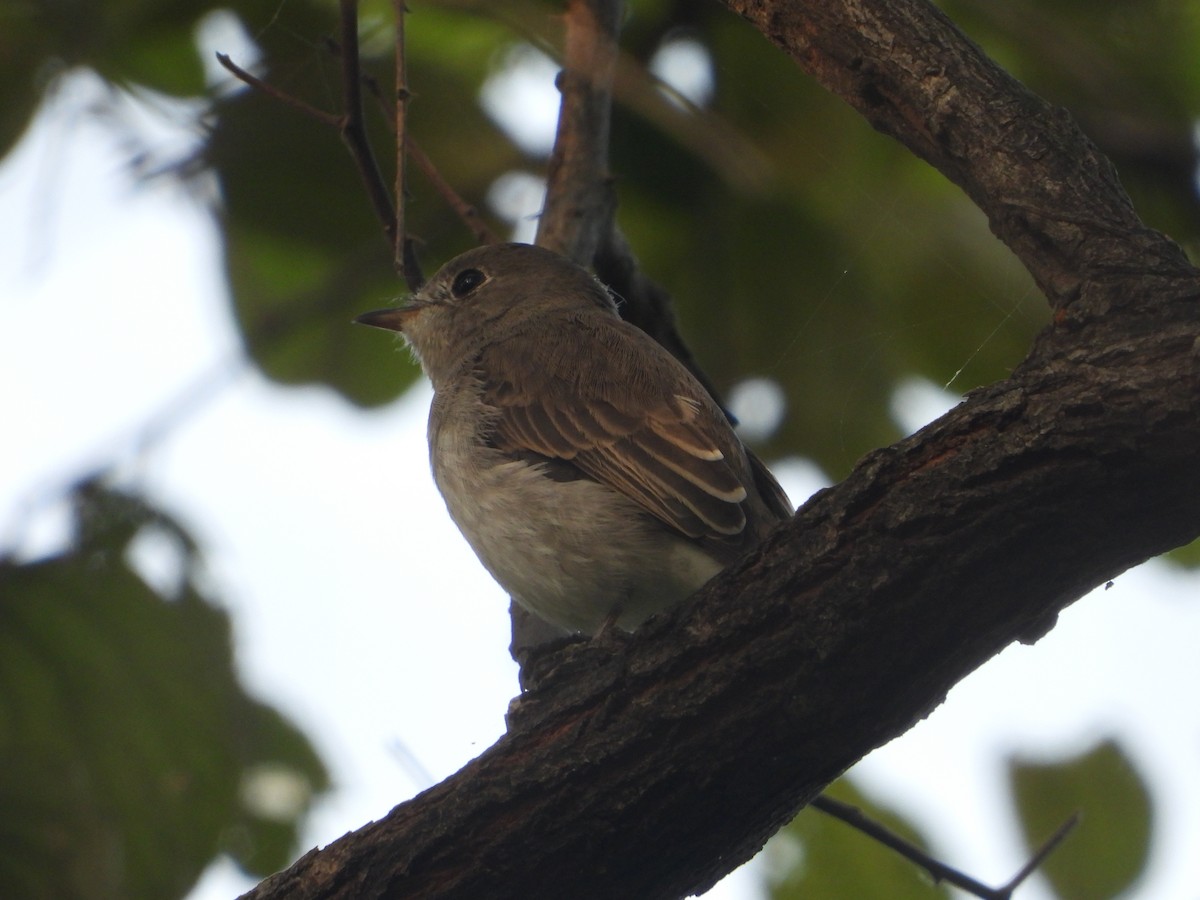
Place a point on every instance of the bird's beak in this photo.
(392, 318)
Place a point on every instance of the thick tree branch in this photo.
(650, 767)
(913, 75)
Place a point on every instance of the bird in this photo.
(595, 478)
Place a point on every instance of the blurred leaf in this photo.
(1106, 853)
(818, 856)
(124, 735)
(1187, 556)
(840, 267)
(855, 266)
(304, 252)
(161, 57)
(23, 51)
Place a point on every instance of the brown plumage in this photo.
(592, 474)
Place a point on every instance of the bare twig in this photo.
(579, 202)
(352, 125)
(352, 128)
(1045, 850)
(939, 871)
(400, 239)
(702, 131)
(276, 94)
(466, 211)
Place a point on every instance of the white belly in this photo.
(570, 552)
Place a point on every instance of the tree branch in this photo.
(353, 130)
(275, 94)
(579, 200)
(351, 126)
(939, 871)
(649, 767)
(926, 94)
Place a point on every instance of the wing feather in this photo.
(628, 416)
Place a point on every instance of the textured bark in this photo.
(650, 767)
(1047, 191)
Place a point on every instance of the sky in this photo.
(340, 568)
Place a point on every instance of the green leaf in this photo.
(305, 252)
(1187, 556)
(818, 856)
(851, 267)
(163, 58)
(23, 49)
(835, 264)
(1106, 853)
(125, 739)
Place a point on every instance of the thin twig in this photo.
(352, 126)
(856, 818)
(468, 212)
(404, 253)
(939, 871)
(1045, 850)
(401, 119)
(275, 93)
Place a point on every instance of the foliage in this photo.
(810, 855)
(1110, 847)
(128, 748)
(801, 246)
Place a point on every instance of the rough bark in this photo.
(651, 767)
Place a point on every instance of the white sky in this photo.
(359, 610)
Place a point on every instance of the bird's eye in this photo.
(466, 281)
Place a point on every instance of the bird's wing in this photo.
(625, 415)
